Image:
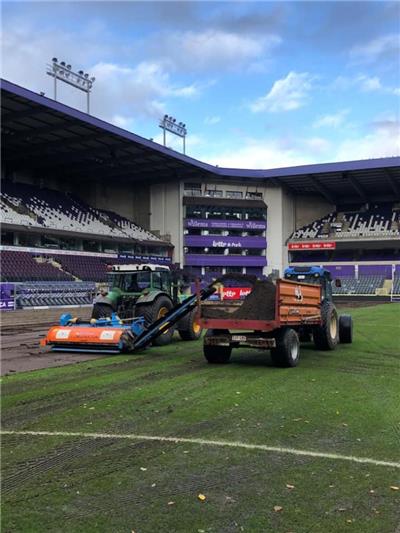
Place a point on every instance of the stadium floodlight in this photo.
(63, 72)
(168, 123)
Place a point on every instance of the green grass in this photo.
(345, 402)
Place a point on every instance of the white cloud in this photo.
(331, 121)
(382, 142)
(266, 153)
(369, 84)
(212, 49)
(373, 50)
(210, 121)
(364, 83)
(286, 94)
(120, 94)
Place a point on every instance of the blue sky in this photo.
(259, 84)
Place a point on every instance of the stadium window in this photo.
(254, 195)
(192, 189)
(214, 194)
(234, 194)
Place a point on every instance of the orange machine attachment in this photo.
(109, 335)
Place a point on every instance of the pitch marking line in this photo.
(204, 442)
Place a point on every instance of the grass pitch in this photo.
(344, 402)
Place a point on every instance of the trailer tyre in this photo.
(189, 328)
(326, 336)
(216, 355)
(345, 329)
(287, 351)
(152, 312)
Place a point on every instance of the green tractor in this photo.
(149, 291)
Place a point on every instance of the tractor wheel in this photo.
(217, 355)
(287, 351)
(101, 310)
(345, 329)
(152, 312)
(326, 336)
(189, 328)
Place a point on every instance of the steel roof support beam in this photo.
(23, 135)
(392, 182)
(356, 186)
(17, 115)
(79, 159)
(74, 156)
(322, 189)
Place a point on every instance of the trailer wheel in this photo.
(326, 336)
(345, 329)
(189, 328)
(287, 351)
(217, 355)
(152, 312)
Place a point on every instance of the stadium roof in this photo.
(50, 138)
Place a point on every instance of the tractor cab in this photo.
(130, 285)
(312, 274)
(136, 279)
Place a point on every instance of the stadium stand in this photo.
(27, 205)
(377, 221)
(364, 285)
(396, 286)
(54, 294)
(23, 266)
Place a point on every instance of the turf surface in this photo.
(344, 402)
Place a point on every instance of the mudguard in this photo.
(151, 296)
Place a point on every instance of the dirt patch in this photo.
(258, 305)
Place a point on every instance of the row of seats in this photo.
(22, 266)
(396, 286)
(381, 221)
(56, 294)
(364, 285)
(25, 266)
(28, 205)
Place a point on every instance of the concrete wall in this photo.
(310, 208)
(132, 202)
(166, 214)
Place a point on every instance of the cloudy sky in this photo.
(259, 84)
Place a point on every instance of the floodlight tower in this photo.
(168, 123)
(80, 80)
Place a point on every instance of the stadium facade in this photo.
(73, 182)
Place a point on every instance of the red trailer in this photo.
(274, 317)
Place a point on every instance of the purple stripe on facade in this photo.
(225, 260)
(225, 224)
(217, 241)
(341, 270)
(371, 270)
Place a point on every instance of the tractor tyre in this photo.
(189, 329)
(217, 355)
(287, 351)
(345, 329)
(152, 312)
(326, 336)
(101, 310)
